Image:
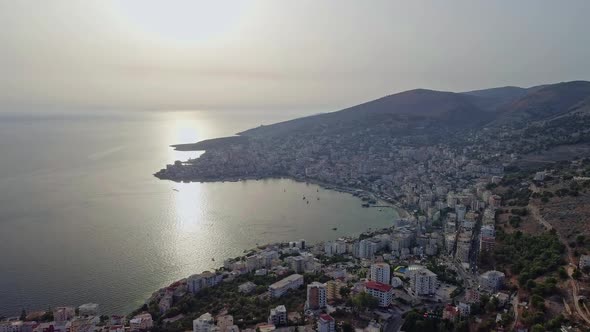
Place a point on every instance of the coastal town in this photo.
(481, 243)
(423, 271)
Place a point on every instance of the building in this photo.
(333, 290)
(380, 291)
(165, 303)
(89, 309)
(316, 296)
(450, 313)
(141, 322)
(396, 282)
(422, 281)
(194, 283)
(380, 272)
(278, 316)
(368, 248)
(83, 324)
(247, 287)
(280, 287)
(297, 264)
(63, 314)
(225, 323)
(491, 281)
(584, 261)
(326, 323)
(204, 323)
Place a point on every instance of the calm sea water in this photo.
(82, 219)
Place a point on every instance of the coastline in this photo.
(401, 211)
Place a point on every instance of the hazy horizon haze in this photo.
(264, 55)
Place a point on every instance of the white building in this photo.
(491, 281)
(278, 316)
(380, 272)
(584, 261)
(316, 296)
(380, 291)
(89, 309)
(368, 248)
(396, 282)
(326, 323)
(141, 322)
(280, 287)
(422, 281)
(204, 323)
(196, 282)
(247, 287)
(63, 314)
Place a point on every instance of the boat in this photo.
(303, 198)
(335, 228)
(175, 189)
(213, 259)
(365, 205)
(307, 202)
(318, 198)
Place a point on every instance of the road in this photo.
(570, 257)
(394, 324)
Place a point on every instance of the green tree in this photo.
(363, 301)
(538, 302)
(577, 274)
(23, 314)
(537, 328)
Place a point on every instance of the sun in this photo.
(194, 21)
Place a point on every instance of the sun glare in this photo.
(183, 20)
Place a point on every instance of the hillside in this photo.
(544, 103)
(407, 112)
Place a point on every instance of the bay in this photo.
(82, 219)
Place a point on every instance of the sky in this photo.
(278, 55)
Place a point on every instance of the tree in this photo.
(23, 314)
(538, 302)
(363, 301)
(537, 328)
(344, 292)
(576, 274)
(562, 273)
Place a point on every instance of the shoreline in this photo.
(401, 211)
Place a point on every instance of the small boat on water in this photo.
(335, 228)
(307, 202)
(303, 198)
(318, 198)
(365, 205)
(175, 189)
(213, 259)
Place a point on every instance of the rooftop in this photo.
(378, 286)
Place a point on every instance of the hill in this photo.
(543, 103)
(406, 112)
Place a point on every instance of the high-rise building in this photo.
(326, 323)
(333, 290)
(380, 291)
(278, 316)
(204, 323)
(316, 296)
(422, 281)
(381, 272)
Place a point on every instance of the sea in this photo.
(83, 219)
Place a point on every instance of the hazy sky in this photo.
(273, 54)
